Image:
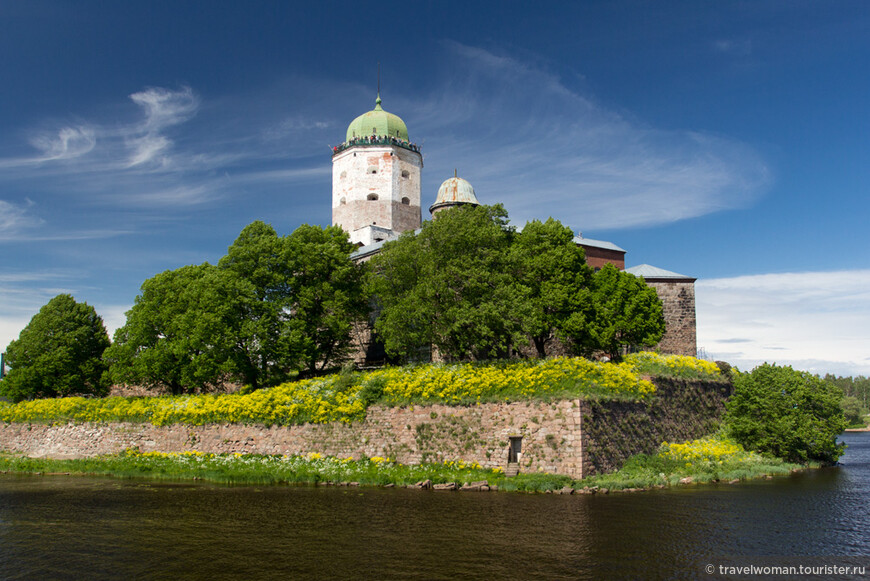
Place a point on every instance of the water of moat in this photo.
(60, 527)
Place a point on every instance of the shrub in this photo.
(790, 414)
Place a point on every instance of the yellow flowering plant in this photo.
(346, 396)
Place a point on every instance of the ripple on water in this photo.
(62, 527)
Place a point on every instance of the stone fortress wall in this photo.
(678, 306)
(574, 437)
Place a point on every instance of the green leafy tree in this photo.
(453, 286)
(627, 313)
(857, 387)
(259, 256)
(176, 336)
(271, 307)
(258, 264)
(852, 411)
(556, 281)
(309, 294)
(58, 353)
(326, 296)
(790, 414)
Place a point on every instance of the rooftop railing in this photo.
(376, 140)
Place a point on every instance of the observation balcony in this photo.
(376, 140)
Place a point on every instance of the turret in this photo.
(376, 176)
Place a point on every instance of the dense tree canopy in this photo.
(790, 414)
(327, 296)
(554, 281)
(272, 306)
(472, 287)
(58, 353)
(451, 286)
(857, 387)
(626, 313)
(177, 335)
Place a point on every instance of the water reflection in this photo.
(71, 528)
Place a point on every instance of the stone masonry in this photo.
(573, 437)
(678, 304)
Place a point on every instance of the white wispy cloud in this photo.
(19, 223)
(15, 219)
(524, 138)
(66, 143)
(171, 195)
(163, 108)
(114, 316)
(817, 321)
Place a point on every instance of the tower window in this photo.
(372, 197)
(406, 201)
(342, 201)
(406, 173)
(343, 175)
(372, 169)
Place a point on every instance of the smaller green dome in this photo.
(377, 122)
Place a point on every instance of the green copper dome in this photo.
(377, 122)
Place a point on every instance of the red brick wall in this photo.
(598, 257)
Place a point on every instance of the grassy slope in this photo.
(704, 460)
(346, 396)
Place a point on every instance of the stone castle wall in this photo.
(572, 437)
(678, 305)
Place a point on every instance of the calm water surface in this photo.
(90, 528)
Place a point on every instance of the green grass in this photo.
(642, 471)
(253, 468)
(347, 395)
(645, 471)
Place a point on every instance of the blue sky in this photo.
(726, 141)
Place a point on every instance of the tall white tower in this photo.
(376, 179)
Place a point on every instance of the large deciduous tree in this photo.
(257, 263)
(327, 296)
(626, 313)
(176, 334)
(555, 280)
(58, 353)
(272, 306)
(451, 286)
